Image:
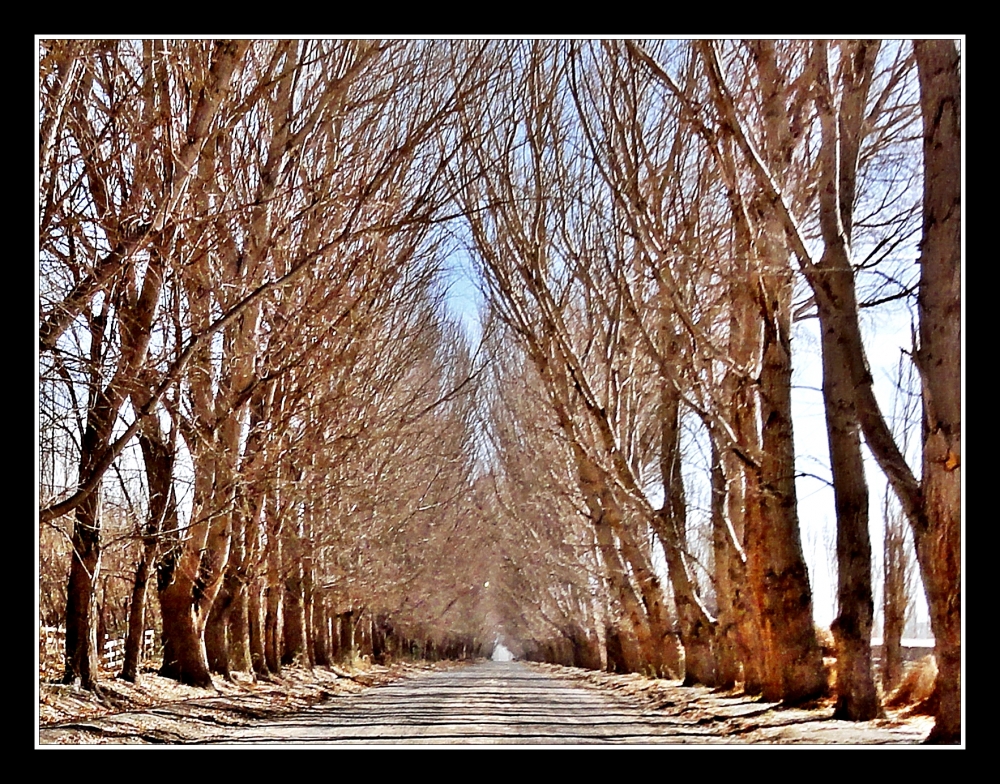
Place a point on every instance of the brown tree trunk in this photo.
(246, 648)
(189, 587)
(894, 603)
(137, 612)
(940, 362)
(308, 592)
(189, 591)
(275, 592)
(697, 627)
(776, 568)
(649, 619)
(727, 579)
(363, 634)
(217, 632)
(335, 655)
(255, 621)
(345, 647)
(238, 633)
(322, 655)
(631, 630)
(741, 475)
(82, 664)
(184, 655)
(158, 457)
(294, 647)
(857, 698)
(833, 285)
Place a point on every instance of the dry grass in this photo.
(916, 691)
(743, 718)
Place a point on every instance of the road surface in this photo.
(514, 703)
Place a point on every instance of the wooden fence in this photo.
(52, 650)
(913, 649)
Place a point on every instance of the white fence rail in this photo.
(52, 649)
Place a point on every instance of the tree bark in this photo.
(345, 648)
(217, 631)
(939, 360)
(857, 698)
(158, 457)
(697, 627)
(255, 620)
(833, 285)
(82, 664)
(135, 319)
(776, 568)
(728, 576)
(322, 654)
(894, 603)
(274, 593)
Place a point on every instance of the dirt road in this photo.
(514, 703)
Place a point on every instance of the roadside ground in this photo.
(158, 710)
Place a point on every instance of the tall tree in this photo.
(938, 531)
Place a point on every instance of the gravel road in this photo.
(513, 703)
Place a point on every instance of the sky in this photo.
(817, 517)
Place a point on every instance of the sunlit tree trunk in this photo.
(939, 360)
(776, 570)
(776, 567)
(728, 575)
(697, 627)
(294, 647)
(833, 284)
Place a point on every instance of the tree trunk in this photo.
(238, 633)
(137, 612)
(833, 286)
(727, 579)
(82, 663)
(322, 655)
(294, 648)
(741, 476)
(776, 567)
(940, 362)
(363, 634)
(184, 656)
(194, 582)
(272, 627)
(217, 632)
(275, 592)
(158, 456)
(697, 627)
(345, 648)
(632, 629)
(894, 603)
(189, 587)
(857, 698)
(255, 621)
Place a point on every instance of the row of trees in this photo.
(239, 275)
(241, 282)
(649, 219)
